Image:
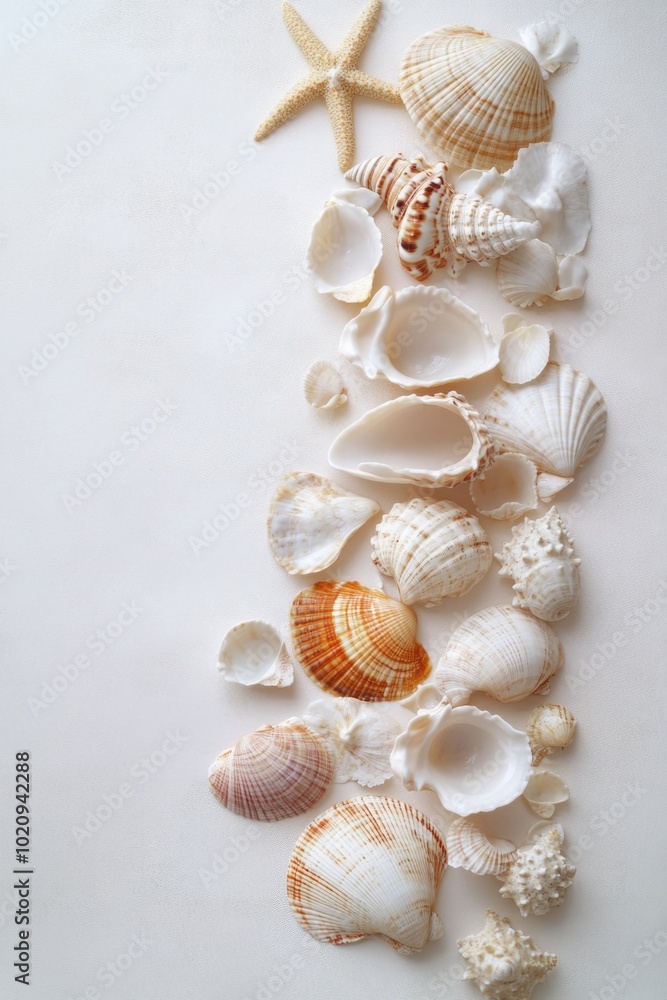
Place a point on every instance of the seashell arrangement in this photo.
(433, 550)
(539, 875)
(323, 387)
(469, 848)
(508, 489)
(503, 962)
(544, 791)
(360, 737)
(370, 865)
(254, 653)
(549, 728)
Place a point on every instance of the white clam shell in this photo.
(254, 653)
(544, 791)
(344, 251)
(323, 386)
(524, 349)
(420, 440)
(472, 760)
(572, 277)
(539, 875)
(503, 962)
(419, 337)
(528, 276)
(552, 45)
(360, 737)
(469, 848)
(433, 550)
(549, 728)
(508, 489)
(369, 865)
(310, 520)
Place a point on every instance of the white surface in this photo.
(239, 420)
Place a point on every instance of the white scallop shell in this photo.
(323, 387)
(503, 962)
(420, 440)
(433, 550)
(551, 44)
(549, 728)
(310, 520)
(528, 276)
(572, 277)
(508, 489)
(472, 760)
(544, 791)
(524, 349)
(254, 653)
(344, 251)
(539, 875)
(469, 848)
(360, 737)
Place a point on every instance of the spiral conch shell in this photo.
(437, 226)
(357, 642)
(503, 962)
(549, 728)
(433, 550)
(370, 865)
(539, 875)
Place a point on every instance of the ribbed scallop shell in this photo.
(524, 349)
(357, 642)
(503, 962)
(549, 728)
(469, 848)
(273, 773)
(529, 276)
(476, 99)
(433, 550)
(323, 387)
(503, 652)
(370, 865)
(539, 875)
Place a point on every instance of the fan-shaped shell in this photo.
(370, 865)
(360, 737)
(273, 773)
(433, 550)
(476, 99)
(344, 251)
(506, 490)
(549, 728)
(254, 653)
(357, 642)
(503, 962)
(469, 848)
(503, 652)
(323, 387)
(524, 349)
(529, 275)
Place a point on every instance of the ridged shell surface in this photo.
(369, 865)
(469, 848)
(360, 736)
(357, 642)
(549, 728)
(503, 962)
(539, 875)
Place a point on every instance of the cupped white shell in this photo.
(323, 386)
(472, 760)
(254, 653)
(544, 791)
(529, 275)
(503, 962)
(539, 875)
(503, 652)
(419, 337)
(344, 251)
(549, 728)
(541, 827)
(469, 848)
(508, 489)
(420, 440)
(370, 865)
(551, 44)
(360, 737)
(572, 277)
(433, 550)
(524, 349)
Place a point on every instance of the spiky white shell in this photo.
(549, 728)
(369, 865)
(508, 489)
(360, 737)
(524, 349)
(323, 387)
(503, 962)
(544, 791)
(469, 848)
(344, 251)
(254, 653)
(540, 559)
(539, 875)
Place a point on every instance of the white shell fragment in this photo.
(541, 827)
(529, 276)
(360, 197)
(469, 848)
(323, 387)
(524, 349)
(539, 875)
(344, 251)
(544, 791)
(472, 760)
(310, 520)
(427, 697)
(360, 737)
(254, 653)
(572, 277)
(508, 489)
(552, 45)
(549, 728)
(420, 440)
(419, 337)
(503, 962)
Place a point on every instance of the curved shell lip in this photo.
(545, 790)
(344, 251)
(397, 325)
(511, 508)
(241, 641)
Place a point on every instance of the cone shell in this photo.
(433, 550)
(549, 728)
(357, 642)
(539, 875)
(469, 848)
(370, 865)
(503, 962)
(273, 773)
(476, 99)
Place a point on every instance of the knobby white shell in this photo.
(540, 559)
(419, 337)
(508, 489)
(344, 251)
(551, 44)
(254, 653)
(370, 865)
(544, 791)
(503, 962)
(549, 728)
(472, 760)
(503, 652)
(433, 550)
(360, 737)
(539, 875)
(323, 387)
(532, 274)
(524, 349)
(310, 520)
(420, 440)
(469, 848)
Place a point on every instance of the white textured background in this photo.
(237, 422)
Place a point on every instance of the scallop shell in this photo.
(549, 728)
(539, 875)
(360, 737)
(370, 865)
(558, 420)
(469, 848)
(419, 337)
(420, 440)
(524, 350)
(508, 489)
(544, 791)
(475, 99)
(310, 520)
(357, 642)
(433, 550)
(273, 773)
(503, 652)
(344, 251)
(323, 387)
(503, 962)
(529, 276)
(551, 44)
(541, 561)
(254, 653)
(437, 226)
(472, 760)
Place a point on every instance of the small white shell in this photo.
(469, 848)
(528, 276)
(572, 277)
(541, 827)
(544, 791)
(323, 387)
(539, 875)
(254, 653)
(360, 737)
(360, 197)
(503, 962)
(551, 44)
(508, 489)
(344, 251)
(549, 728)
(524, 349)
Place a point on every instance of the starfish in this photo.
(333, 76)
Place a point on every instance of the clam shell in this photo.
(503, 962)
(254, 653)
(323, 387)
(529, 275)
(421, 440)
(508, 489)
(419, 337)
(360, 737)
(469, 848)
(544, 791)
(549, 728)
(524, 350)
(310, 520)
(539, 875)
(273, 773)
(370, 865)
(477, 100)
(344, 251)
(503, 652)
(433, 550)
(357, 642)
